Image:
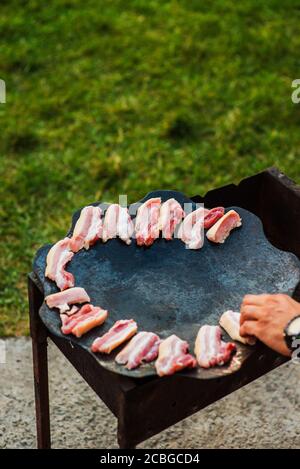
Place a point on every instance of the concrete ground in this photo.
(264, 414)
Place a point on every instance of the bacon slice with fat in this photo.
(222, 228)
(143, 347)
(88, 228)
(71, 311)
(213, 216)
(57, 258)
(63, 299)
(171, 214)
(230, 321)
(110, 224)
(117, 222)
(147, 222)
(173, 356)
(83, 320)
(191, 229)
(210, 350)
(120, 332)
(197, 236)
(125, 225)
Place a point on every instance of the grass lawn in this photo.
(122, 97)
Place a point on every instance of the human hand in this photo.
(266, 316)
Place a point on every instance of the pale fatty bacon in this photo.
(83, 320)
(110, 225)
(62, 300)
(119, 333)
(88, 228)
(171, 214)
(117, 222)
(222, 228)
(210, 350)
(191, 229)
(57, 258)
(143, 347)
(147, 226)
(173, 356)
(230, 321)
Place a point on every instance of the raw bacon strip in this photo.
(173, 356)
(213, 216)
(125, 225)
(142, 348)
(171, 214)
(110, 225)
(210, 350)
(117, 222)
(63, 299)
(147, 222)
(120, 332)
(71, 311)
(197, 236)
(57, 258)
(221, 230)
(88, 228)
(230, 321)
(153, 352)
(185, 231)
(82, 321)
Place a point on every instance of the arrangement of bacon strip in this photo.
(230, 321)
(84, 320)
(147, 225)
(57, 258)
(63, 299)
(120, 332)
(173, 356)
(117, 222)
(213, 216)
(88, 228)
(222, 228)
(143, 347)
(210, 350)
(171, 214)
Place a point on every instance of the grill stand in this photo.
(40, 365)
(144, 407)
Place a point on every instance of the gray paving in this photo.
(264, 414)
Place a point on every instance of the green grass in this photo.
(124, 97)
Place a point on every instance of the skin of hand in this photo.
(266, 316)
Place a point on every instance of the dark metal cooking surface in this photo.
(169, 289)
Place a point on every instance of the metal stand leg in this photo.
(40, 366)
(123, 443)
(124, 426)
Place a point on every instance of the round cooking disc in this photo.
(168, 289)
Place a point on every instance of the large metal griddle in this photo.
(169, 289)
